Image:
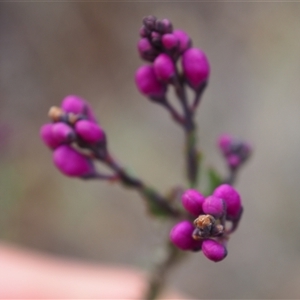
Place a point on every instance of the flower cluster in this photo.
(235, 151)
(73, 129)
(162, 47)
(208, 231)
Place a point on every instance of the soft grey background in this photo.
(49, 50)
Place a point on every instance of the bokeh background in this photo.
(49, 50)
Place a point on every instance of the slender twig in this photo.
(190, 133)
(198, 95)
(174, 113)
(232, 174)
(158, 277)
(156, 203)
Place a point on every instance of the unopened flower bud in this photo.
(144, 32)
(170, 41)
(214, 250)
(149, 22)
(184, 40)
(233, 161)
(77, 105)
(146, 50)
(224, 142)
(214, 206)
(164, 26)
(195, 67)
(192, 201)
(231, 198)
(72, 163)
(235, 150)
(63, 133)
(181, 236)
(164, 67)
(156, 38)
(46, 135)
(89, 131)
(148, 84)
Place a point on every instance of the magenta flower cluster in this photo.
(163, 47)
(208, 231)
(72, 129)
(235, 151)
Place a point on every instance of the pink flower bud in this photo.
(224, 142)
(214, 250)
(46, 135)
(195, 67)
(164, 67)
(184, 40)
(146, 50)
(192, 201)
(63, 133)
(170, 41)
(77, 105)
(233, 161)
(231, 198)
(72, 163)
(148, 84)
(89, 131)
(181, 236)
(214, 206)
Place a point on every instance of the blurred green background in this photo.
(49, 50)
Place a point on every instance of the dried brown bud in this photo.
(204, 221)
(55, 113)
(206, 227)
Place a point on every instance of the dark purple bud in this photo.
(164, 67)
(148, 84)
(164, 26)
(46, 135)
(77, 105)
(214, 250)
(184, 40)
(231, 198)
(181, 236)
(63, 133)
(72, 163)
(192, 201)
(214, 206)
(144, 32)
(149, 22)
(89, 131)
(146, 49)
(156, 38)
(195, 67)
(170, 41)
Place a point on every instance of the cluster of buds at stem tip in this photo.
(75, 138)
(235, 151)
(164, 48)
(208, 231)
